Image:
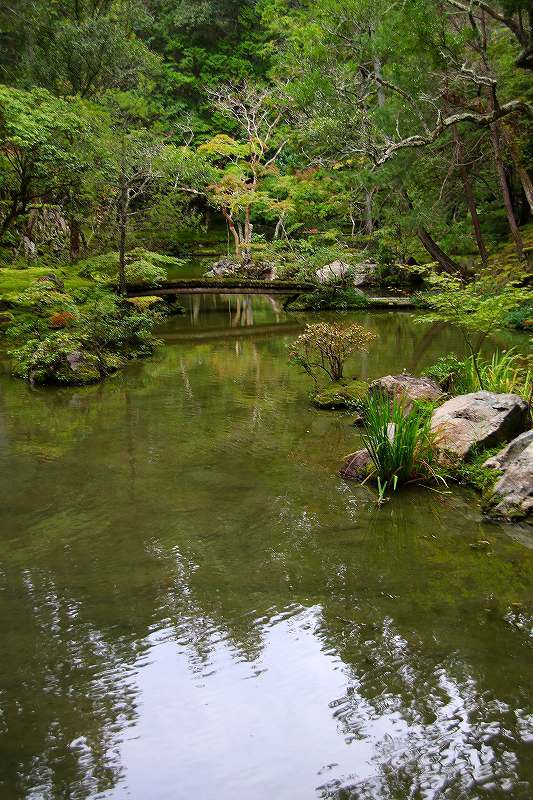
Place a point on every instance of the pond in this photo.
(193, 603)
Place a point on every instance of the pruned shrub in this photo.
(325, 347)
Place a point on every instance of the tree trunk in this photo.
(75, 239)
(506, 194)
(444, 260)
(248, 228)
(233, 229)
(369, 221)
(470, 198)
(523, 174)
(280, 228)
(122, 222)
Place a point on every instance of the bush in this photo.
(58, 358)
(451, 375)
(521, 317)
(142, 267)
(325, 347)
(331, 299)
(103, 332)
(473, 473)
(401, 445)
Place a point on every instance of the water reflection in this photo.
(192, 603)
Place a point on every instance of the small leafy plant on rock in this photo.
(506, 372)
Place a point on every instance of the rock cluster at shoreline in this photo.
(463, 426)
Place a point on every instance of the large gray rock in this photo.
(364, 273)
(357, 275)
(512, 495)
(479, 419)
(357, 465)
(221, 268)
(407, 389)
(335, 272)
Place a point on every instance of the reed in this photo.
(400, 444)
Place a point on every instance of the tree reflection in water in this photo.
(190, 596)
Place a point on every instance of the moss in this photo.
(340, 395)
(14, 282)
(472, 473)
(6, 319)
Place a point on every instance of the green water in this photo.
(194, 605)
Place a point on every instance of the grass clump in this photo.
(400, 445)
(506, 372)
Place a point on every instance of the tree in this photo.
(325, 347)
(227, 171)
(46, 143)
(78, 48)
(140, 161)
(374, 81)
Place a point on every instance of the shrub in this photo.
(325, 347)
(61, 319)
(449, 372)
(331, 298)
(58, 358)
(401, 445)
(102, 334)
(521, 317)
(478, 309)
(473, 473)
(142, 267)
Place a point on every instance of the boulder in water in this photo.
(480, 419)
(407, 389)
(512, 495)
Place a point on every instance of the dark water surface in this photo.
(194, 605)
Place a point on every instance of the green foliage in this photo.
(477, 309)
(78, 339)
(142, 267)
(505, 372)
(401, 445)
(331, 298)
(473, 473)
(46, 146)
(301, 257)
(451, 375)
(521, 317)
(46, 360)
(81, 48)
